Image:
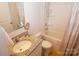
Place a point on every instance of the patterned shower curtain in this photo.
(70, 44)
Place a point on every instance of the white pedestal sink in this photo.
(22, 46)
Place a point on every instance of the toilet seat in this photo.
(46, 44)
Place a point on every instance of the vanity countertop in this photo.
(35, 43)
(34, 46)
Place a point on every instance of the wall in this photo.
(4, 12)
(34, 13)
(4, 43)
(59, 15)
(5, 18)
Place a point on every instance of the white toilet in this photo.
(46, 46)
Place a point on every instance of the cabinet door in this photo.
(37, 51)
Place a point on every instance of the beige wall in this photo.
(5, 18)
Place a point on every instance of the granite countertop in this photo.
(35, 42)
(34, 46)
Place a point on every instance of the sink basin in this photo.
(22, 46)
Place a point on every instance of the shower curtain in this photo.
(70, 44)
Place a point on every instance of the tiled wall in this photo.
(58, 18)
(59, 15)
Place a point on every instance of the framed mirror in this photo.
(11, 15)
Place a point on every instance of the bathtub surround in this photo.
(58, 15)
(46, 18)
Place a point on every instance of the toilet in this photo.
(46, 46)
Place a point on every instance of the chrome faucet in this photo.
(26, 27)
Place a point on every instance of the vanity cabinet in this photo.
(37, 51)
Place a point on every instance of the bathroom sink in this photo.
(22, 46)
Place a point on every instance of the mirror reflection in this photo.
(11, 15)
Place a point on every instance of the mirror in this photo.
(11, 15)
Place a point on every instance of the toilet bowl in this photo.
(46, 46)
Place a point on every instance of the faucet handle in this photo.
(26, 26)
